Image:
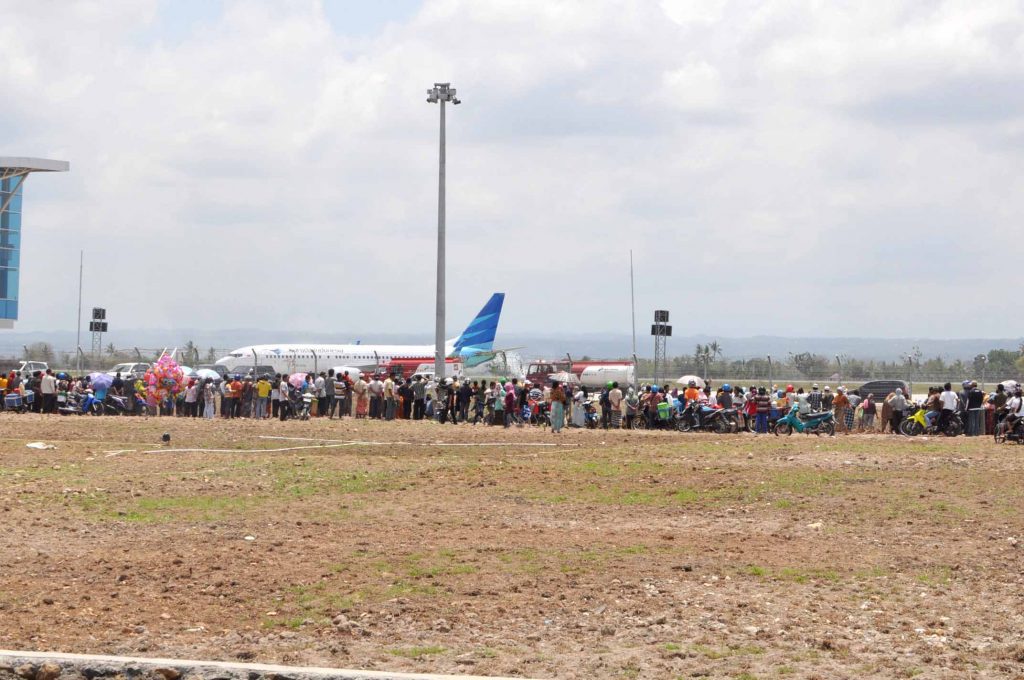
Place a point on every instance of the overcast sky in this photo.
(812, 169)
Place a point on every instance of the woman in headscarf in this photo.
(362, 397)
(579, 413)
(632, 406)
(558, 401)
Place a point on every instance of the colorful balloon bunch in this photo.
(163, 379)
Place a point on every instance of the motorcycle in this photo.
(1005, 432)
(720, 420)
(915, 424)
(816, 423)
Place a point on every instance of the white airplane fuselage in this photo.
(320, 357)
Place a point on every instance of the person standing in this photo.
(191, 398)
(275, 396)
(343, 395)
(405, 392)
(615, 403)
(360, 392)
(558, 403)
(226, 408)
(209, 395)
(48, 388)
(375, 391)
(840, 405)
(814, 398)
(869, 408)
(262, 395)
(762, 407)
(390, 398)
(236, 396)
(286, 403)
(419, 393)
(632, 403)
(320, 390)
(975, 411)
(897, 404)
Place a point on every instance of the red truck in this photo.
(539, 369)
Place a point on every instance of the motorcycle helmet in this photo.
(789, 388)
(692, 383)
(654, 389)
(608, 384)
(814, 386)
(726, 387)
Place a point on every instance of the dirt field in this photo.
(488, 551)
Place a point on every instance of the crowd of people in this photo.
(514, 402)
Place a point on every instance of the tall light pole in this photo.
(440, 93)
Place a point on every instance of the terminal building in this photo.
(13, 172)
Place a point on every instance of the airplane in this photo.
(473, 347)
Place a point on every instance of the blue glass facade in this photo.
(10, 246)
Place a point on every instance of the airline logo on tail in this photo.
(478, 338)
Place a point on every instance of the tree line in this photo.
(709, 361)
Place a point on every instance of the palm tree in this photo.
(715, 349)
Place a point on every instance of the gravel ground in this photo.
(418, 547)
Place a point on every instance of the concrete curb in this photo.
(53, 665)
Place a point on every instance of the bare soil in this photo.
(460, 549)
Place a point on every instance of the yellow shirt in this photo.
(262, 389)
(3, 383)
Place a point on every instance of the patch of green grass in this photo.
(416, 652)
(630, 671)
(715, 653)
(193, 508)
(402, 588)
(934, 576)
(871, 572)
(803, 575)
(785, 670)
(525, 560)
(672, 647)
(791, 574)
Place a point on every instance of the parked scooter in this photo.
(696, 416)
(816, 423)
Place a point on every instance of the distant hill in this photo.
(605, 345)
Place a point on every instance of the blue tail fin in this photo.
(479, 334)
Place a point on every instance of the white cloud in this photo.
(262, 169)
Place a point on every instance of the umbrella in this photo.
(564, 377)
(297, 380)
(1010, 385)
(205, 373)
(100, 381)
(685, 380)
(187, 371)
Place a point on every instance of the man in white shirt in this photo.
(390, 399)
(950, 402)
(320, 389)
(283, 391)
(48, 387)
(376, 390)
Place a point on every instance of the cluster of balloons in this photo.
(163, 379)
